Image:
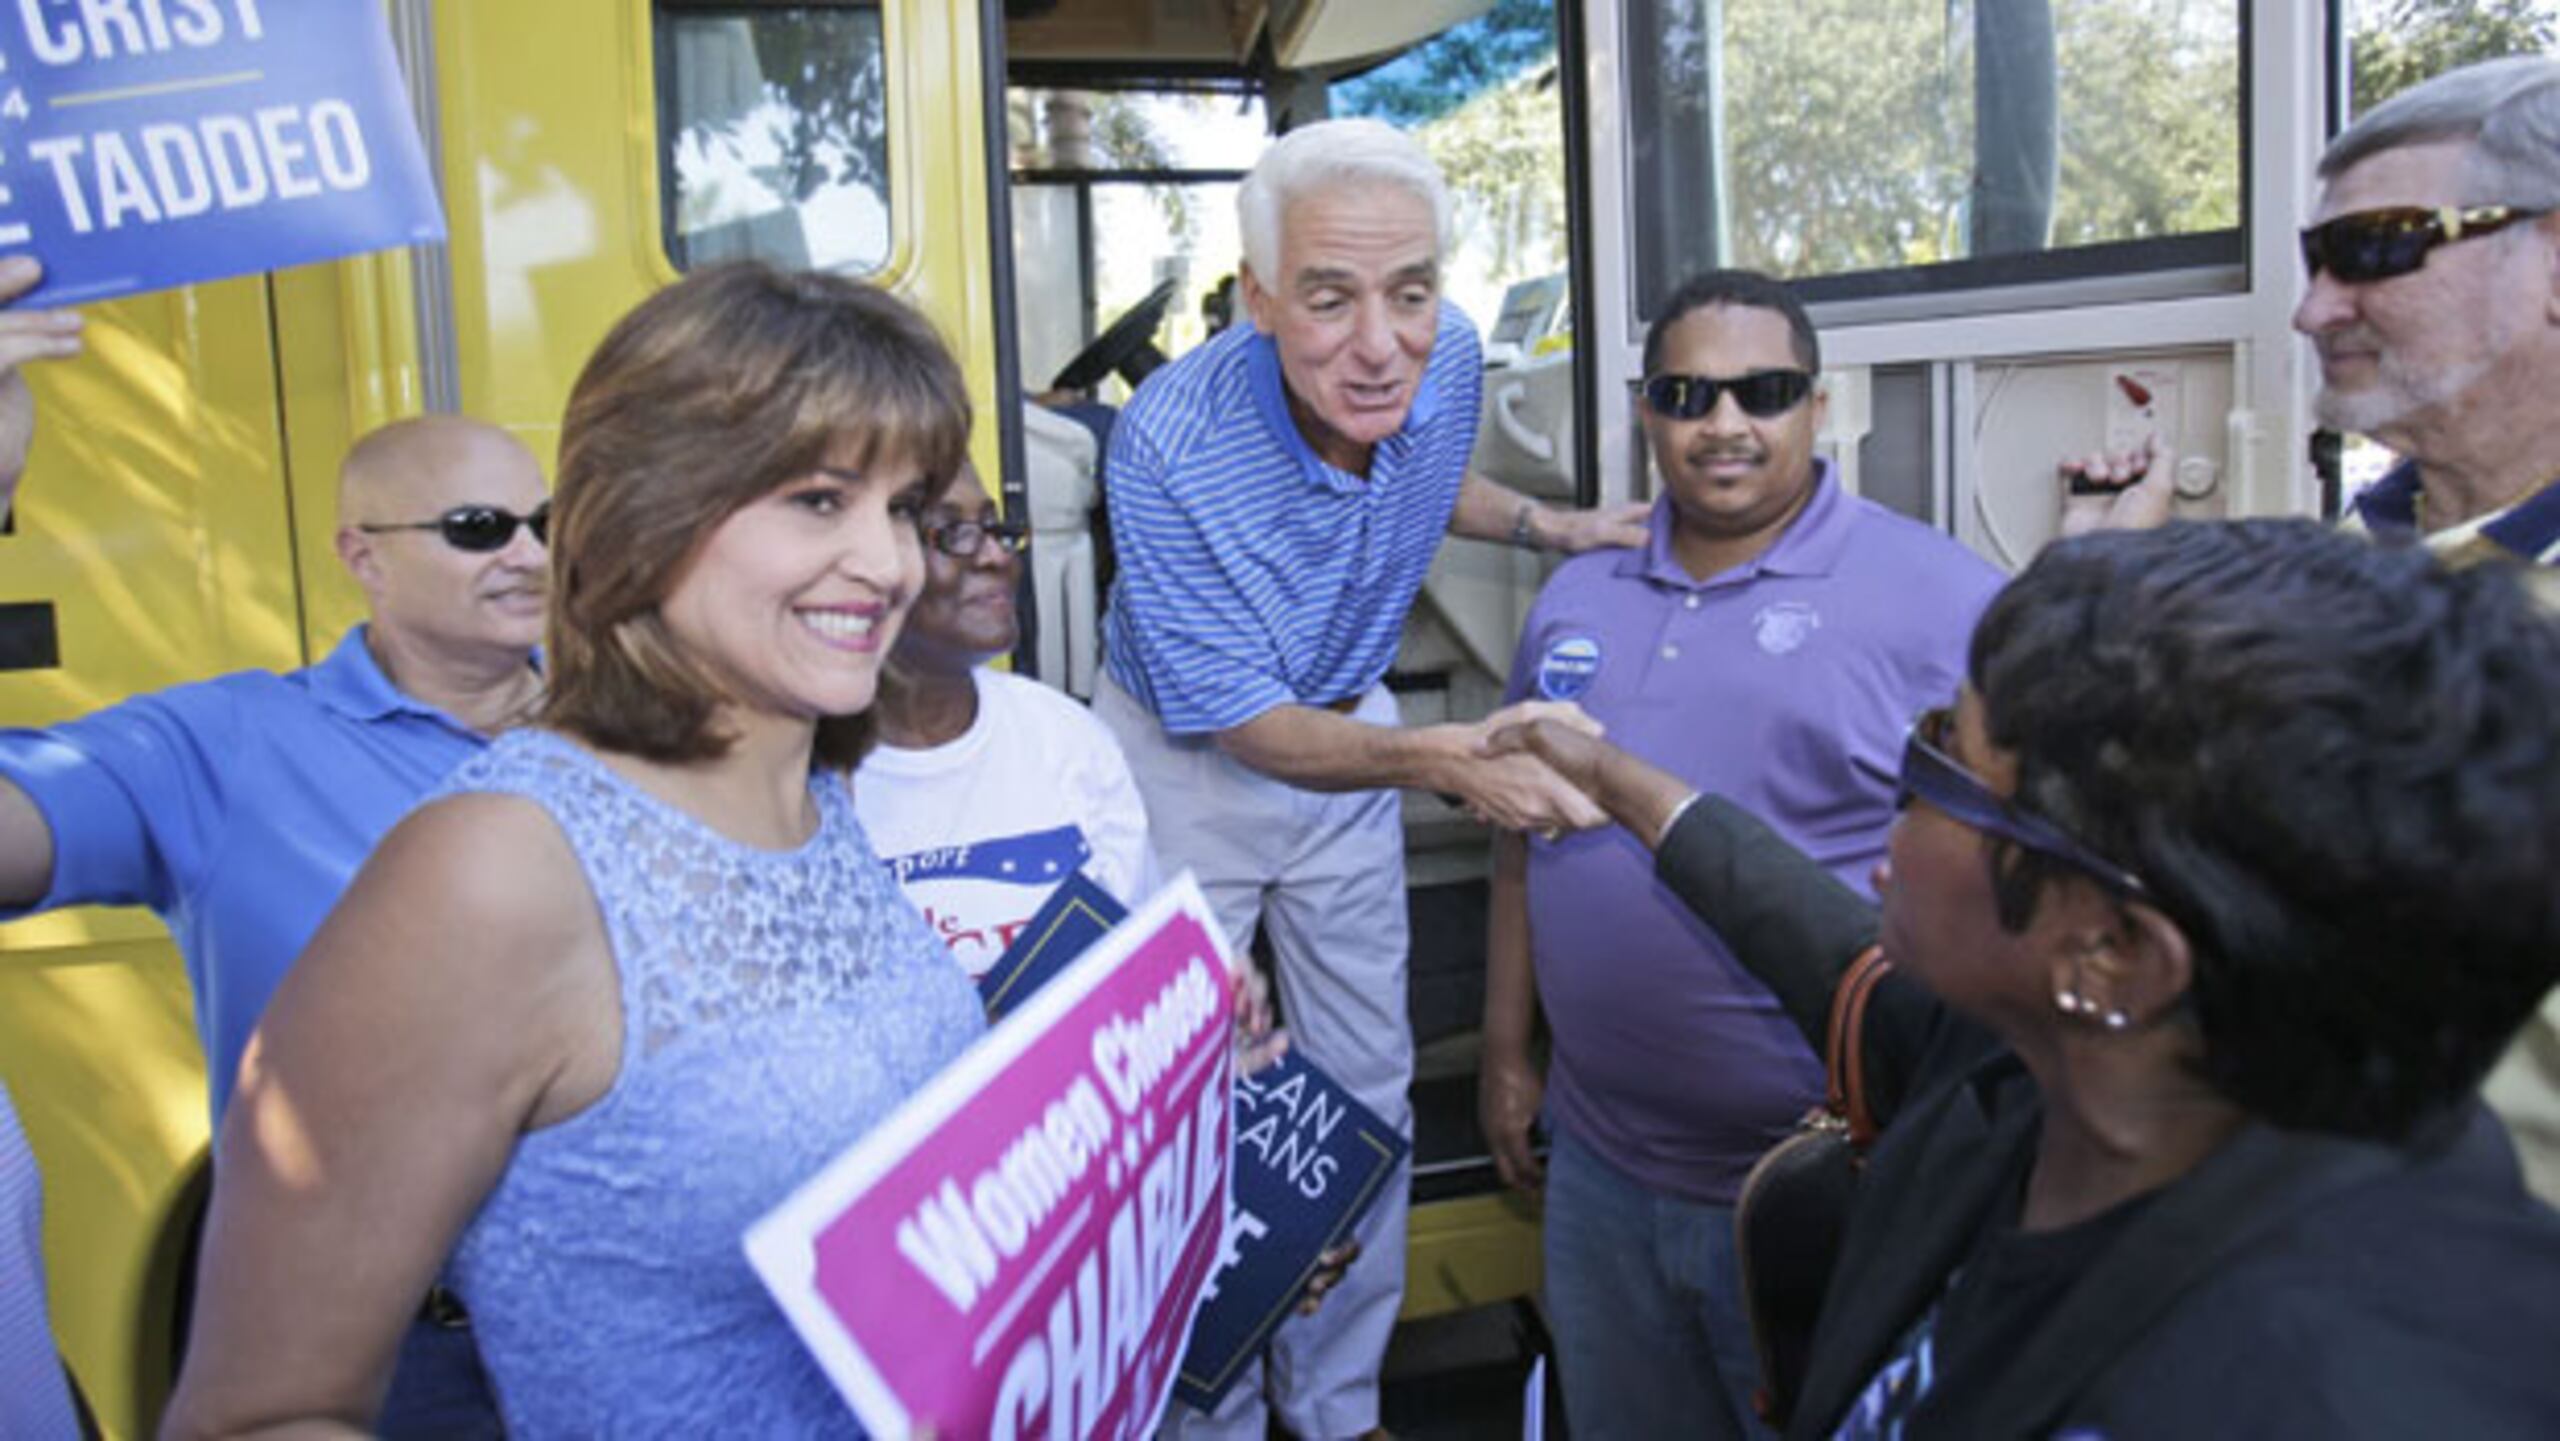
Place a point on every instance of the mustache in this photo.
(2352, 338)
(1709, 454)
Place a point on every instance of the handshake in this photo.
(1500, 771)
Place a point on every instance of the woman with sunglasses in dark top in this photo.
(2213, 896)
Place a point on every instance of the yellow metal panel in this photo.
(347, 361)
(100, 1053)
(1470, 1252)
(551, 144)
(550, 194)
(146, 517)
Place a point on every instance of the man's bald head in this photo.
(391, 470)
(425, 593)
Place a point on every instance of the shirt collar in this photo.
(1810, 545)
(2528, 530)
(1271, 398)
(351, 682)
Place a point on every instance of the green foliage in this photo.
(2153, 147)
(1503, 155)
(824, 74)
(1431, 80)
(1124, 138)
(1848, 128)
(2394, 44)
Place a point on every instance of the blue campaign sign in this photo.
(152, 143)
(1075, 916)
(1310, 1162)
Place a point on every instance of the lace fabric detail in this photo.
(776, 1005)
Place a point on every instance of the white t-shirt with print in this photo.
(979, 831)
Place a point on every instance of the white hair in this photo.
(1326, 154)
(2508, 109)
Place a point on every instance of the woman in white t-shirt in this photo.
(986, 790)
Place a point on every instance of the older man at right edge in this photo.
(2434, 305)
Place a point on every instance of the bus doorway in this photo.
(1127, 139)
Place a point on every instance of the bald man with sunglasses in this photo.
(238, 808)
(2433, 303)
(1769, 643)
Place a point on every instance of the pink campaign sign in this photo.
(1019, 1250)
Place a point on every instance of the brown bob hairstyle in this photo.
(714, 392)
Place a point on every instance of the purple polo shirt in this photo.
(1786, 685)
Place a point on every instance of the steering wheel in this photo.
(1127, 346)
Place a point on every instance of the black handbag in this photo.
(1793, 1212)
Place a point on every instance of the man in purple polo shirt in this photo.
(1769, 644)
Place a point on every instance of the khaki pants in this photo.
(1324, 873)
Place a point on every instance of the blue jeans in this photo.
(1646, 1303)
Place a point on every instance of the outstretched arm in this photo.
(1319, 750)
(26, 849)
(1788, 921)
(1489, 511)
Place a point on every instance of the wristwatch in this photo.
(1524, 534)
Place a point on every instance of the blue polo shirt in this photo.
(1785, 684)
(237, 809)
(2528, 530)
(1253, 574)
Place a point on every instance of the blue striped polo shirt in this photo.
(1253, 574)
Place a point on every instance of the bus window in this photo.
(773, 127)
(2394, 44)
(1115, 193)
(1887, 147)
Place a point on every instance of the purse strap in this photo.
(1844, 1054)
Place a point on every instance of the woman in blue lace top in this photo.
(637, 973)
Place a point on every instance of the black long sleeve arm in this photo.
(1797, 928)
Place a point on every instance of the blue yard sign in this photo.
(152, 143)
(1310, 1162)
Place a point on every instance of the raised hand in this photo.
(2118, 490)
(25, 336)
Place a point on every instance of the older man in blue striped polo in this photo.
(1276, 497)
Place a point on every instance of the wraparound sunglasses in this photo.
(478, 528)
(2373, 245)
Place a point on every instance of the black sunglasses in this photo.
(478, 528)
(1764, 394)
(1931, 774)
(2379, 244)
(960, 539)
